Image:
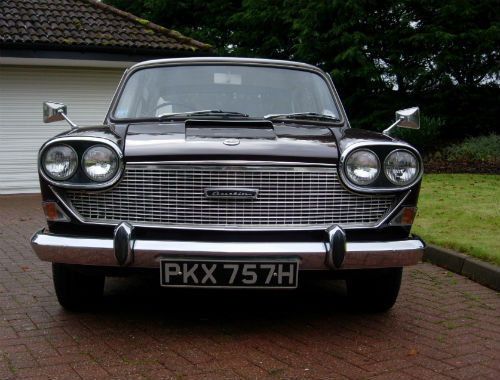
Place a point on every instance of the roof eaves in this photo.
(197, 45)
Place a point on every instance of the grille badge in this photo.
(231, 142)
(231, 193)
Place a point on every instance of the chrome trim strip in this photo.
(91, 186)
(233, 163)
(221, 60)
(372, 190)
(147, 253)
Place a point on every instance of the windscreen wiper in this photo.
(302, 115)
(201, 113)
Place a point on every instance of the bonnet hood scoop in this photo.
(200, 123)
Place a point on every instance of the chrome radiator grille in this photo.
(171, 195)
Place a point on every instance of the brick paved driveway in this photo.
(443, 326)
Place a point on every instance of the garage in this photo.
(73, 52)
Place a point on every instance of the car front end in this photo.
(231, 173)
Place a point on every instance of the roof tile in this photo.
(85, 23)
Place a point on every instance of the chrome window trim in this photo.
(83, 186)
(373, 190)
(245, 165)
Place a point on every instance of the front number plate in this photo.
(237, 273)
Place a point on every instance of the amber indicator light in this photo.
(50, 210)
(408, 215)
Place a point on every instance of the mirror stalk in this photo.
(395, 124)
(73, 125)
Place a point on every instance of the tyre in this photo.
(76, 290)
(374, 290)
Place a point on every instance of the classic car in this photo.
(228, 173)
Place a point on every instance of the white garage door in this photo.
(86, 91)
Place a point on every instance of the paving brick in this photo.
(159, 373)
(90, 370)
(42, 350)
(60, 372)
(436, 365)
(63, 359)
(32, 373)
(419, 372)
(20, 359)
(309, 373)
(390, 365)
(465, 360)
(475, 371)
(220, 375)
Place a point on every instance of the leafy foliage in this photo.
(383, 56)
(483, 148)
(425, 139)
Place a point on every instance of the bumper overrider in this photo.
(124, 250)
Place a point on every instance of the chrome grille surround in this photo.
(172, 195)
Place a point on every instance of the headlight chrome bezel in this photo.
(79, 180)
(43, 162)
(381, 184)
(376, 162)
(85, 168)
(388, 176)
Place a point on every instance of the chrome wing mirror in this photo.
(407, 118)
(56, 111)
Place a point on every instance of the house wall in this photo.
(86, 91)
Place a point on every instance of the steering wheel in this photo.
(186, 107)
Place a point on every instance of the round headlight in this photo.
(401, 167)
(362, 167)
(100, 163)
(60, 162)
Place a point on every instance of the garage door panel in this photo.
(23, 89)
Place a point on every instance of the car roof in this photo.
(224, 60)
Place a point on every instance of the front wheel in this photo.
(76, 290)
(374, 290)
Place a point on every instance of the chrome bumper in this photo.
(148, 253)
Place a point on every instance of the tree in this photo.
(444, 56)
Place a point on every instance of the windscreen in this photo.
(256, 91)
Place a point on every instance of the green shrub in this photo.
(424, 139)
(482, 148)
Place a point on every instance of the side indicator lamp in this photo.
(405, 217)
(53, 212)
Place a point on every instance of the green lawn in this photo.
(461, 212)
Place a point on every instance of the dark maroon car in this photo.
(228, 173)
